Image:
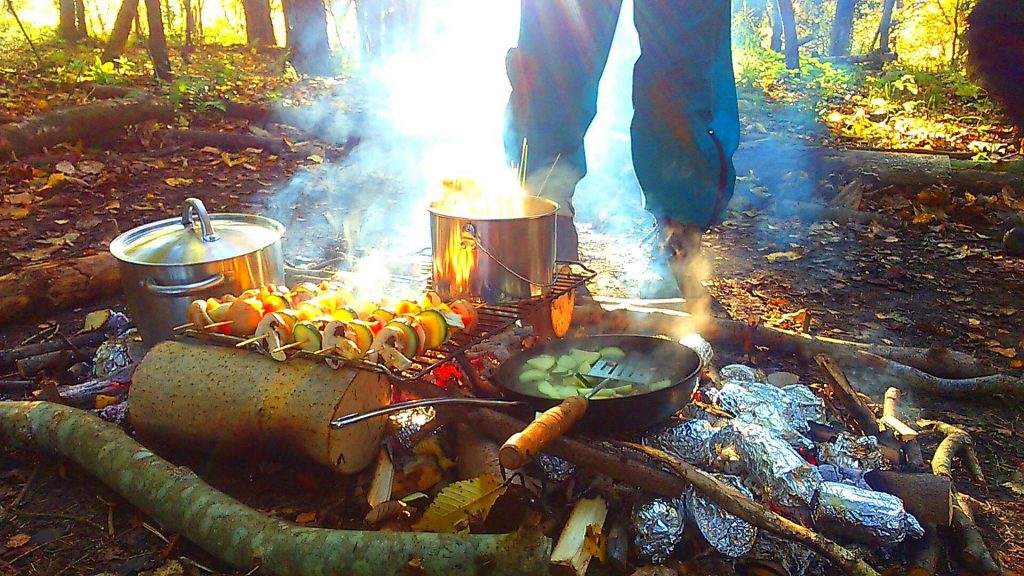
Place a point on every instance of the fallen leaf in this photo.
(18, 540)
(13, 212)
(103, 400)
(1005, 352)
(23, 199)
(65, 167)
(1016, 363)
(174, 181)
(210, 150)
(385, 511)
(305, 518)
(788, 256)
(58, 241)
(315, 158)
(459, 501)
(34, 254)
(54, 181)
(91, 166)
(95, 320)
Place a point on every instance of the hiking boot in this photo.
(680, 248)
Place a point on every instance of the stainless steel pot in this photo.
(168, 264)
(501, 252)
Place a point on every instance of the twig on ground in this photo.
(80, 519)
(956, 441)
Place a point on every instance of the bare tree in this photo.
(259, 27)
(885, 25)
(157, 41)
(842, 28)
(122, 28)
(776, 41)
(788, 17)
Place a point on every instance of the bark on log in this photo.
(43, 288)
(927, 496)
(240, 536)
(208, 398)
(49, 362)
(89, 339)
(225, 140)
(847, 396)
(475, 454)
(927, 557)
(911, 447)
(613, 315)
(956, 442)
(79, 123)
(977, 389)
(735, 502)
(975, 552)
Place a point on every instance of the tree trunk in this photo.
(842, 28)
(157, 41)
(788, 18)
(776, 42)
(82, 27)
(245, 539)
(77, 123)
(122, 28)
(190, 27)
(311, 52)
(43, 288)
(66, 27)
(259, 28)
(883, 27)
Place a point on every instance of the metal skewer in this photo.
(360, 416)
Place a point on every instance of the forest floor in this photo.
(941, 279)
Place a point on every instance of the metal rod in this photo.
(359, 417)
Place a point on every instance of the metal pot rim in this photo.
(551, 205)
(120, 244)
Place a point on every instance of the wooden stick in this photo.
(928, 554)
(218, 324)
(554, 423)
(847, 396)
(383, 479)
(890, 417)
(956, 441)
(977, 389)
(295, 344)
(248, 341)
(738, 504)
(975, 552)
(183, 326)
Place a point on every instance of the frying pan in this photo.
(675, 362)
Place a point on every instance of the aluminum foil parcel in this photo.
(726, 533)
(865, 516)
(773, 465)
(689, 440)
(555, 469)
(403, 425)
(658, 526)
(766, 406)
(849, 451)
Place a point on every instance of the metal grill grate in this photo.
(493, 319)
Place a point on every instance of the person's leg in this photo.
(554, 72)
(685, 126)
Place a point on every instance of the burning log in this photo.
(205, 397)
(738, 504)
(240, 536)
(84, 395)
(847, 396)
(927, 496)
(614, 315)
(54, 285)
(571, 555)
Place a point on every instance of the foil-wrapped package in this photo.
(689, 440)
(766, 406)
(812, 408)
(658, 525)
(403, 425)
(849, 451)
(740, 374)
(726, 533)
(702, 347)
(776, 468)
(555, 469)
(115, 354)
(852, 513)
(851, 476)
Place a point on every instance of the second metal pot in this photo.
(168, 264)
(500, 252)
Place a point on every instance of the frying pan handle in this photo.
(555, 422)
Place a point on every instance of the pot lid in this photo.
(196, 237)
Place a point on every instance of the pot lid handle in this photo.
(193, 209)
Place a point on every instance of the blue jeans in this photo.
(683, 87)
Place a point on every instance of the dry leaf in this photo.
(459, 501)
(34, 254)
(95, 320)
(58, 241)
(174, 181)
(315, 158)
(1006, 352)
(788, 256)
(23, 199)
(91, 167)
(210, 150)
(430, 446)
(54, 181)
(102, 401)
(305, 518)
(596, 543)
(65, 167)
(18, 540)
(1016, 363)
(13, 212)
(385, 511)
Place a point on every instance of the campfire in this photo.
(470, 406)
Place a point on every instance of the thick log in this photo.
(70, 125)
(927, 496)
(50, 362)
(242, 537)
(975, 553)
(616, 315)
(89, 339)
(847, 396)
(735, 502)
(225, 140)
(978, 389)
(43, 288)
(211, 398)
(475, 454)
(927, 557)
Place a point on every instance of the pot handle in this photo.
(185, 289)
(194, 209)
